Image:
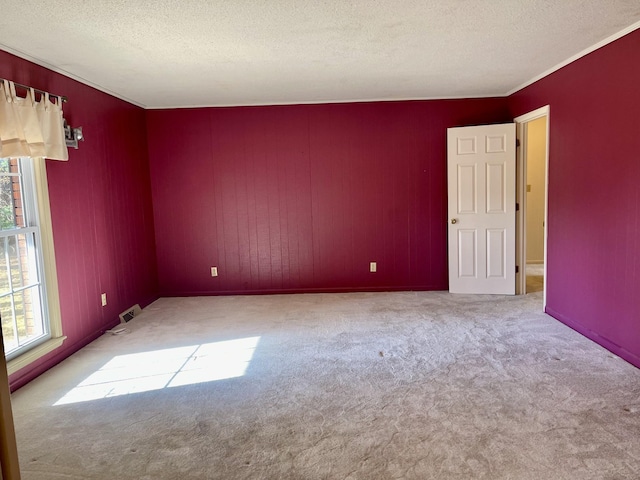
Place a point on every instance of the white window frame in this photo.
(49, 278)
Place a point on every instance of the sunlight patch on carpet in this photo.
(171, 367)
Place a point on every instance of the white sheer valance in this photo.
(30, 128)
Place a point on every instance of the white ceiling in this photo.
(179, 53)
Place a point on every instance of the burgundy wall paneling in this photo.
(101, 211)
(594, 201)
(301, 198)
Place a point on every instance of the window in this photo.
(29, 308)
(22, 308)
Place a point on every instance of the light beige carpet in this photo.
(422, 385)
(535, 277)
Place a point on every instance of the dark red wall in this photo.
(594, 193)
(101, 211)
(302, 198)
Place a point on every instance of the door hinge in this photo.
(517, 142)
(517, 207)
(517, 269)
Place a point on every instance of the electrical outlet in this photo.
(103, 298)
(373, 267)
(214, 271)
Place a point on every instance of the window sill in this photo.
(34, 354)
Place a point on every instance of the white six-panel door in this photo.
(481, 173)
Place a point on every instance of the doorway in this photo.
(531, 191)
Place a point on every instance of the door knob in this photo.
(454, 221)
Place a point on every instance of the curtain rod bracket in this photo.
(72, 135)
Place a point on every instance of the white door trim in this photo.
(521, 237)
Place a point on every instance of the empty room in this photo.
(320, 240)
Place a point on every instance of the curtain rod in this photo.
(42, 92)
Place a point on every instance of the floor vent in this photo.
(127, 315)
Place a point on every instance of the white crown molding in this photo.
(328, 102)
(577, 56)
(48, 66)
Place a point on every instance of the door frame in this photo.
(521, 198)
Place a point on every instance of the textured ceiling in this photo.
(177, 53)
